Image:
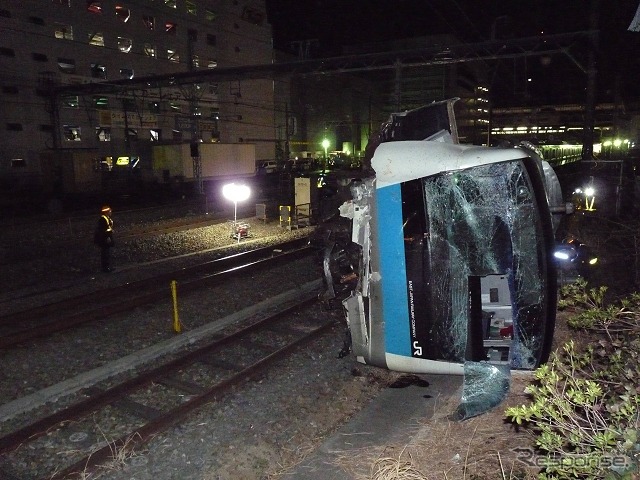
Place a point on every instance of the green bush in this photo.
(585, 405)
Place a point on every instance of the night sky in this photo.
(333, 24)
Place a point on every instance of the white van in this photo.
(268, 166)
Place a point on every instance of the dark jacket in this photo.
(103, 235)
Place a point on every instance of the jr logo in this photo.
(417, 349)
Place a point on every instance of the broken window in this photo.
(190, 5)
(71, 133)
(170, 27)
(149, 50)
(63, 31)
(149, 21)
(98, 71)
(94, 7)
(103, 134)
(122, 13)
(96, 39)
(70, 101)
(173, 55)
(67, 65)
(100, 102)
(465, 229)
(126, 73)
(124, 44)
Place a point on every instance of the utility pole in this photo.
(590, 103)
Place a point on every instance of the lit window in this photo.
(122, 13)
(154, 134)
(96, 39)
(67, 65)
(71, 133)
(122, 161)
(149, 50)
(124, 44)
(149, 22)
(106, 164)
(103, 134)
(170, 27)
(18, 163)
(94, 7)
(195, 61)
(101, 103)
(175, 107)
(170, 3)
(63, 31)
(212, 63)
(126, 73)
(70, 101)
(191, 7)
(98, 71)
(173, 56)
(209, 15)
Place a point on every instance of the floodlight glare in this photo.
(235, 193)
(589, 191)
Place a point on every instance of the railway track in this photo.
(20, 327)
(110, 423)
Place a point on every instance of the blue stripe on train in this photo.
(393, 271)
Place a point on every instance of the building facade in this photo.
(48, 44)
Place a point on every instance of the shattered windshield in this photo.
(461, 229)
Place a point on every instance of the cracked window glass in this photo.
(461, 229)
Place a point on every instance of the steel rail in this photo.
(174, 415)
(107, 302)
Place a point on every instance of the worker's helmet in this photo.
(106, 210)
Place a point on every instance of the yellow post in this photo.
(177, 326)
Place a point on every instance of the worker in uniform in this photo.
(103, 237)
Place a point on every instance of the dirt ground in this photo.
(484, 447)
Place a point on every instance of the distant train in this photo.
(444, 252)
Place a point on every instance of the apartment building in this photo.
(46, 44)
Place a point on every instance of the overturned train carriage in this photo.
(448, 252)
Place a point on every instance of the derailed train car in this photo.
(443, 255)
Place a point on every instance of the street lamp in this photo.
(235, 193)
(325, 145)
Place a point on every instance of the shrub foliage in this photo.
(585, 402)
